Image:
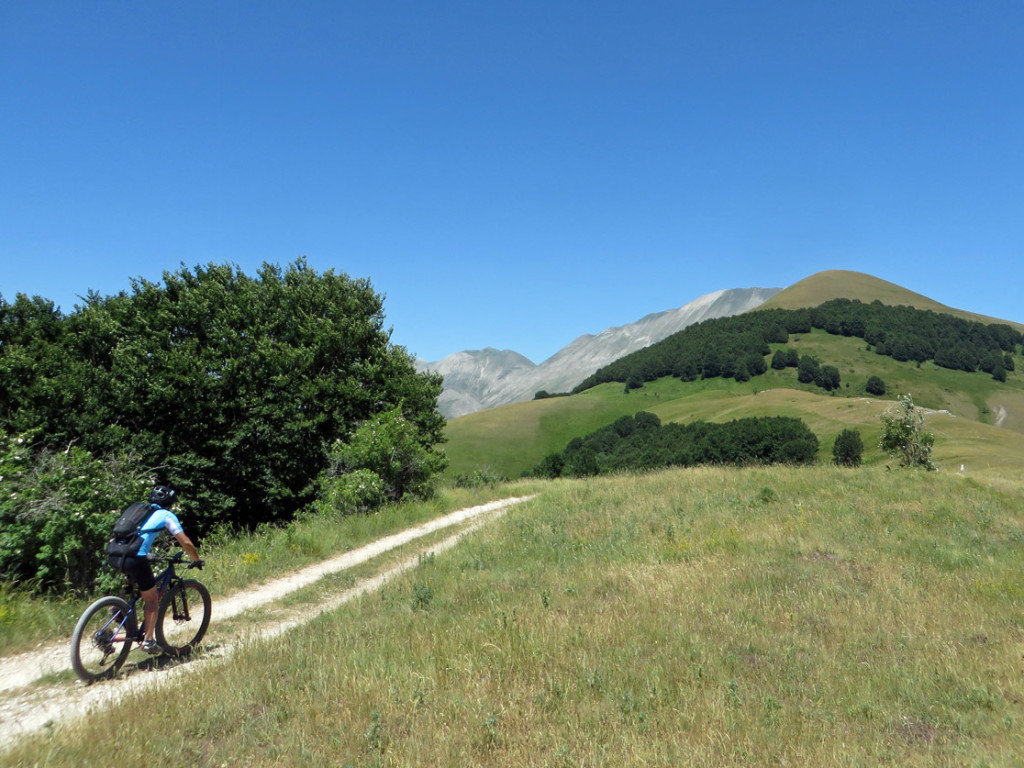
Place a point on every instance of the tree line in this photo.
(736, 347)
(642, 443)
(247, 394)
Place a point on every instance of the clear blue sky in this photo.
(516, 174)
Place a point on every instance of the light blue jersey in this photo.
(155, 524)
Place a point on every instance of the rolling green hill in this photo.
(978, 421)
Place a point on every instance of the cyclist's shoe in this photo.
(151, 647)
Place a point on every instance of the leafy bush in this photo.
(904, 437)
(848, 449)
(360, 490)
(788, 358)
(479, 477)
(384, 460)
(581, 463)
(56, 512)
(827, 378)
(808, 370)
(545, 395)
(550, 466)
(875, 386)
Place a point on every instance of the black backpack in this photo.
(126, 538)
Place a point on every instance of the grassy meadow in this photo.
(699, 617)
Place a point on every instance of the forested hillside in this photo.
(736, 347)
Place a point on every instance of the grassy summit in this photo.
(845, 284)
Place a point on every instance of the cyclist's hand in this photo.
(197, 564)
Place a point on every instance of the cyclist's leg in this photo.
(151, 602)
(140, 574)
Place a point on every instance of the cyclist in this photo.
(138, 569)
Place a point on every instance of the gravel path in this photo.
(26, 706)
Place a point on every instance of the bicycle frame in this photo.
(164, 579)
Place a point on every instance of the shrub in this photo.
(800, 451)
(904, 437)
(56, 512)
(807, 370)
(827, 378)
(480, 477)
(360, 490)
(875, 386)
(848, 448)
(582, 463)
(383, 460)
(634, 382)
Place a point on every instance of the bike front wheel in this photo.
(183, 617)
(102, 639)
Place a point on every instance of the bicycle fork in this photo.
(179, 606)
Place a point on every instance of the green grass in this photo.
(691, 617)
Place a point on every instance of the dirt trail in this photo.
(27, 706)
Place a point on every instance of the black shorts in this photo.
(139, 573)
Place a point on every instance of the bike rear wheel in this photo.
(102, 639)
(183, 617)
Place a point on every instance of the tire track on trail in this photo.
(26, 707)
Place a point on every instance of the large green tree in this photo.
(230, 387)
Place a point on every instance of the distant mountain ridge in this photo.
(475, 380)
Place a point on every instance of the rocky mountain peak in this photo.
(475, 380)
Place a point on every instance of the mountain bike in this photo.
(104, 634)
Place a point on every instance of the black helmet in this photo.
(163, 496)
